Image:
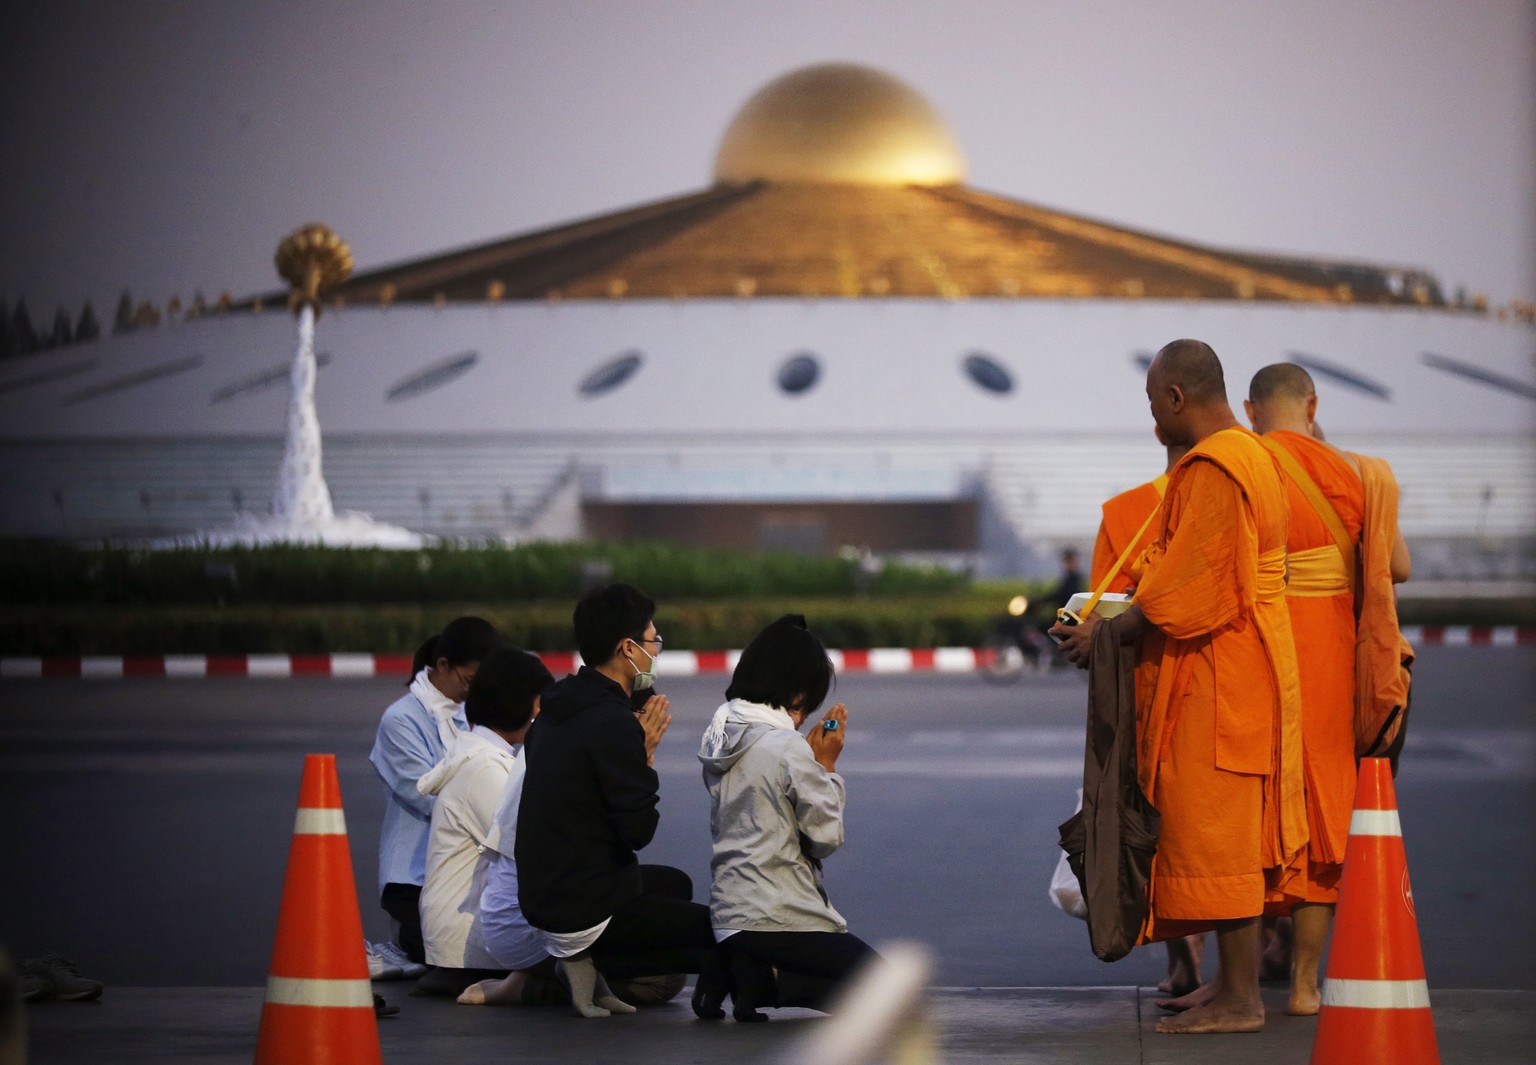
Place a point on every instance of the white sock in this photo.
(604, 996)
(581, 977)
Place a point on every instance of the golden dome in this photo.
(838, 123)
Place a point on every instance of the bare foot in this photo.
(1304, 1002)
(1178, 984)
(1214, 1018)
(1275, 961)
(504, 992)
(1183, 965)
(1200, 996)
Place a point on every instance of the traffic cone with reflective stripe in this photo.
(319, 1006)
(1375, 998)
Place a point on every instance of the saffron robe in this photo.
(1382, 656)
(1123, 515)
(1322, 606)
(1218, 705)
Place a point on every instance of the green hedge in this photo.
(962, 620)
(41, 572)
(959, 620)
(65, 601)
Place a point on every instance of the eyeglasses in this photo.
(466, 681)
(657, 640)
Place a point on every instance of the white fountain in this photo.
(312, 260)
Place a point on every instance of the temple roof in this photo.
(804, 240)
(837, 180)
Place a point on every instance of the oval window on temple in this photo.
(987, 372)
(432, 377)
(799, 373)
(611, 374)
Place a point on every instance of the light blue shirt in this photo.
(406, 746)
(511, 941)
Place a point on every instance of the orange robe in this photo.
(1218, 707)
(1122, 517)
(1322, 604)
(1381, 653)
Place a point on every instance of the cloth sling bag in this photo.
(1111, 841)
(1378, 721)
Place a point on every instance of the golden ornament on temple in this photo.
(313, 260)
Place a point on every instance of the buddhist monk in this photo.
(1282, 405)
(1123, 517)
(1218, 730)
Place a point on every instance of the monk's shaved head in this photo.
(1282, 381)
(1281, 397)
(1194, 368)
(1188, 393)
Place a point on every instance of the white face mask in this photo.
(644, 679)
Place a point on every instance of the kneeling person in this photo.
(589, 803)
(469, 784)
(776, 810)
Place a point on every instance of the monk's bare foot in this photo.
(1304, 1001)
(1178, 983)
(1214, 1018)
(1200, 996)
(1275, 962)
(1183, 965)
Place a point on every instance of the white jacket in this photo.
(468, 784)
(774, 813)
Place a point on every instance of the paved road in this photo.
(147, 820)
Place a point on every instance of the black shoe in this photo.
(382, 1008)
(67, 983)
(34, 988)
(707, 999)
(752, 985)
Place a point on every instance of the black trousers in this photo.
(812, 966)
(403, 903)
(663, 931)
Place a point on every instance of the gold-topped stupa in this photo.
(842, 124)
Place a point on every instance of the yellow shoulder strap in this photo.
(1314, 494)
(1098, 593)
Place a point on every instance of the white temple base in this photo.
(347, 529)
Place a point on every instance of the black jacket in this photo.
(589, 802)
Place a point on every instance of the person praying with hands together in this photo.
(776, 811)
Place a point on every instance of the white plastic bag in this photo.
(1066, 892)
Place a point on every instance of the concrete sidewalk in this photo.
(1017, 1025)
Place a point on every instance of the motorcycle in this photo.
(1015, 646)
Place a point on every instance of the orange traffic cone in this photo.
(319, 1006)
(1375, 998)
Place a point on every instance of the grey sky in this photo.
(168, 146)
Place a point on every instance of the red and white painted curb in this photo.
(672, 664)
